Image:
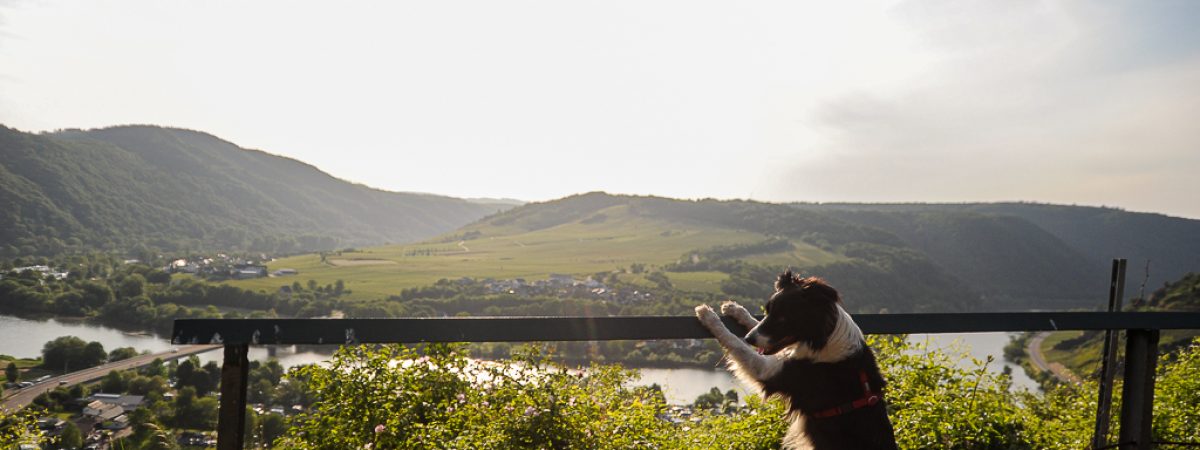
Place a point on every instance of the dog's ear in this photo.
(786, 280)
(819, 286)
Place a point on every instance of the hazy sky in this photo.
(1084, 102)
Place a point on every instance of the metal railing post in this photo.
(231, 422)
(1108, 364)
(1137, 395)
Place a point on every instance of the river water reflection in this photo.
(25, 337)
(684, 385)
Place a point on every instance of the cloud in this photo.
(1073, 103)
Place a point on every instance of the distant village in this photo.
(46, 271)
(226, 267)
(561, 285)
(221, 266)
(104, 415)
(218, 267)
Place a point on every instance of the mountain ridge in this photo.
(175, 189)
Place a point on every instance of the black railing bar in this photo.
(531, 329)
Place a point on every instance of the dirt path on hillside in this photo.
(359, 262)
(1034, 349)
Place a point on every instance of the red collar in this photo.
(868, 399)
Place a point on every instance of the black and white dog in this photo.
(809, 351)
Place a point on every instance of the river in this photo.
(24, 338)
(684, 385)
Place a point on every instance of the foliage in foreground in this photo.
(392, 397)
(20, 427)
(398, 398)
(1177, 396)
(940, 399)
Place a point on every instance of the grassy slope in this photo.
(602, 241)
(1081, 363)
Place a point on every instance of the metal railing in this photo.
(237, 335)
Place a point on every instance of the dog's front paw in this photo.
(731, 308)
(738, 313)
(707, 316)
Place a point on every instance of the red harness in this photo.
(868, 399)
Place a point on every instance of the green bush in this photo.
(20, 427)
(948, 400)
(1177, 396)
(399, 398)
(392, 397)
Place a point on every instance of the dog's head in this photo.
(802, 310)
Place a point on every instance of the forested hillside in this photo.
(131, 187)
(1072, 241)
(1002, 257)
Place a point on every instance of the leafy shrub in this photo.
(392, 397)
(398, 398)
(940, 399)
(1177, 396)
(20, 427)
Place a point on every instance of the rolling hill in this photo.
(172, 189)
(695, 245)
(893, 257)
